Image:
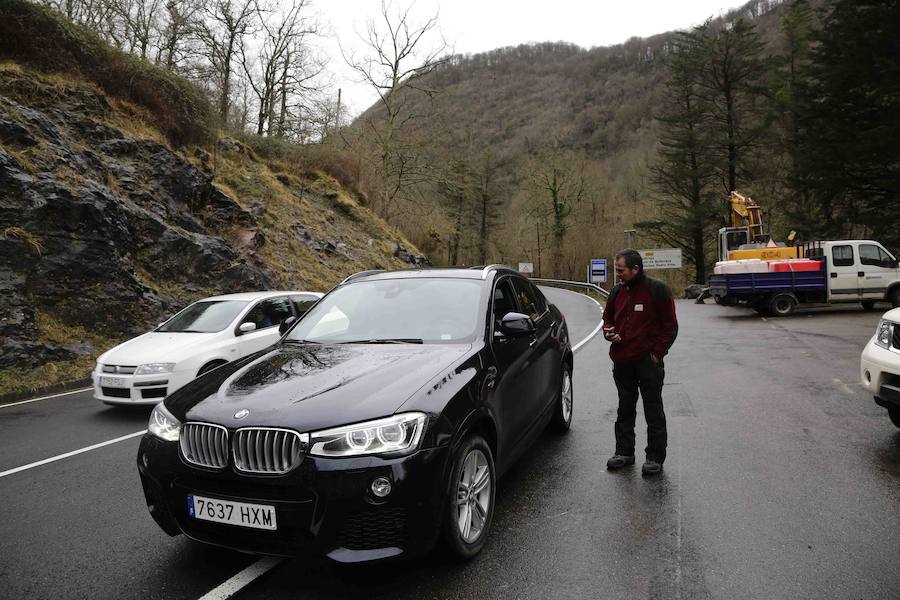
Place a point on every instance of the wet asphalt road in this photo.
(783, 481)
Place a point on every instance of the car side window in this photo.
(303, 303)
(870, 254)
(504, 302)
(842, 256)
(269, 313)
(528, 300)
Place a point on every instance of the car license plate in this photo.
(113, 381)
(242, 514)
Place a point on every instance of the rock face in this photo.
(107, 231)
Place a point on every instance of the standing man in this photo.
(639, 321)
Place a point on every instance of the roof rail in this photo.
(362, 274)
(497, 267)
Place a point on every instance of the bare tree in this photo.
(398, 58)
(140, 22)
(180, 25)
(221, 32)
(557, 184)
(278, 64)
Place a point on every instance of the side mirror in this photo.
(247, 327)
(890, 264)
(515, 325)
(286, 324)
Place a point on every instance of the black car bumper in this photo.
(324, 506)
(888, 396)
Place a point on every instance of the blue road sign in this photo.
(598, 270)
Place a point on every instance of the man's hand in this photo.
(610, 334)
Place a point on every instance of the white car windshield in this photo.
(207, 316)
(414, 310)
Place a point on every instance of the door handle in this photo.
(861, 273)
(532, 342)
(834, 275)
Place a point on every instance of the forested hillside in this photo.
(548, 152)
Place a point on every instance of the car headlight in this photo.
(163, 425)
(400, 434)
(154, 368)
(883, 334)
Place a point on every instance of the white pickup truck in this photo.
(850, 271)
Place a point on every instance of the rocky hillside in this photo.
(106, 228)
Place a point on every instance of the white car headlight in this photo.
(883, 334)
(400, 433)
(163, 425)
(154, 368)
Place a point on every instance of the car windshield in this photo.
(207, 316)
(415, 310)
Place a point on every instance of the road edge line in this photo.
(72, 453)
(87, 389)
(590, 336)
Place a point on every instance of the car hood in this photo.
(310, 386)
(156, 347)
(892, 315)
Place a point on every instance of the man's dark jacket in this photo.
(643, 314)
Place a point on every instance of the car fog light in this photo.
(381, 487)
(868, 377)
(145, 460)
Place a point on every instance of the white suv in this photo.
(203, 336)
(880, 364)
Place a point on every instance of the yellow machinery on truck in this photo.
(747, 237)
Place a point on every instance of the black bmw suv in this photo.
(378, 424)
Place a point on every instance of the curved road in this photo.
(782, 481)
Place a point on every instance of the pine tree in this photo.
(849, 119)
(731, 82)
(683, 174)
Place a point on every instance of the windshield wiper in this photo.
(299, 342)
(386, 341)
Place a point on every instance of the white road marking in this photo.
(72, 453)
(846, 388)
(241, 580)
(590, 336)
(46, 397)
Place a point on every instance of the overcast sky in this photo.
(472, 26)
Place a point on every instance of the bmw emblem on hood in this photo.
(241, 413)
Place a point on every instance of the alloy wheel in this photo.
(473, 496)
(566, 396)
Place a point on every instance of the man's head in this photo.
(629, 265)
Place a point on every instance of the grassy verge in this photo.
(51, 329)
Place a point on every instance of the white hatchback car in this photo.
(880, 364)
(203, 336)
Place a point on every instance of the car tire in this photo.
(894, 413)
(562, 413)
(781, 305)
(461, 516)
(894, 297)
(868, 305)
(214, 364)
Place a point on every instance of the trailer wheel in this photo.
(781, 305)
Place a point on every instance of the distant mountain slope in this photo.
(593, 107)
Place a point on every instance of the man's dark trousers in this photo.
(646, 376)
